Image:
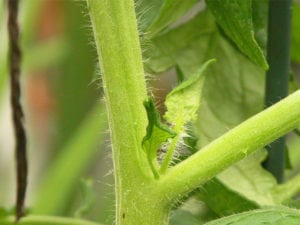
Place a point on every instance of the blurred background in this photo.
(61, 94)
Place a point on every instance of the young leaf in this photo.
(157, 134)
(274, 216)
(183, 102)
(182, 105)
(170, 11)
(235, 18)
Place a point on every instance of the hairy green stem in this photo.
(233, 146)
(118, 46)
(45, 220)
(168, 158)
(278, 54)
(116, 36)
(169, 154)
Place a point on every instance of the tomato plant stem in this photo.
(278, 55)
(117, 40)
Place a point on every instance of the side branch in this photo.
(233, 146)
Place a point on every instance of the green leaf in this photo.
(169, 12)
(260, 12)
(274, 216)
(235, 18)
(182, 105)
(183, 101)
(250, 180)
(182, 217)
(182, 46)
(223, 200)
(147, 11)
(157, 134)
(192, 212)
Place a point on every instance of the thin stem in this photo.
(17, 111)
(233, 146)
(179, 127)
(169, 154)
(278, 54)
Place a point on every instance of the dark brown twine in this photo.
(17, 111)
